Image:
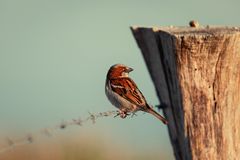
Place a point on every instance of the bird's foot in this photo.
(122, 114)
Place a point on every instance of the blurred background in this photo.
(54, 56)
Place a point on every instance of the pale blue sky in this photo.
(54, 56)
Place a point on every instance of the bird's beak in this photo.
(129, 69)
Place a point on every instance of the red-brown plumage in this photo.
(124, 93)
(129, 90)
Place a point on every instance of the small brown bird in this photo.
(123, 93)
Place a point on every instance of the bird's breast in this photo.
(117, 100)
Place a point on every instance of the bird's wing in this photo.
(126, 88)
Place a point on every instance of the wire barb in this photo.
(50, 131)
(30, 138)
(92, 118)
(77, 121)
(63, 125)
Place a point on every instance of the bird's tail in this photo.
(157, 115)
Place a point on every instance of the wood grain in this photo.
(196, 73)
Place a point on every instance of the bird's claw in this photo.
(122, 114)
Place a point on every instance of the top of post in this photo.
(194, 28)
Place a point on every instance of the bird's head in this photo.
(118, 70)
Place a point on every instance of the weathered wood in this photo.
(196, 73)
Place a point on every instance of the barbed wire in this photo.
(48, 132)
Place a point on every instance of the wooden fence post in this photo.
(196, 73)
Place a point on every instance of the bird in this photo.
(124, 94)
